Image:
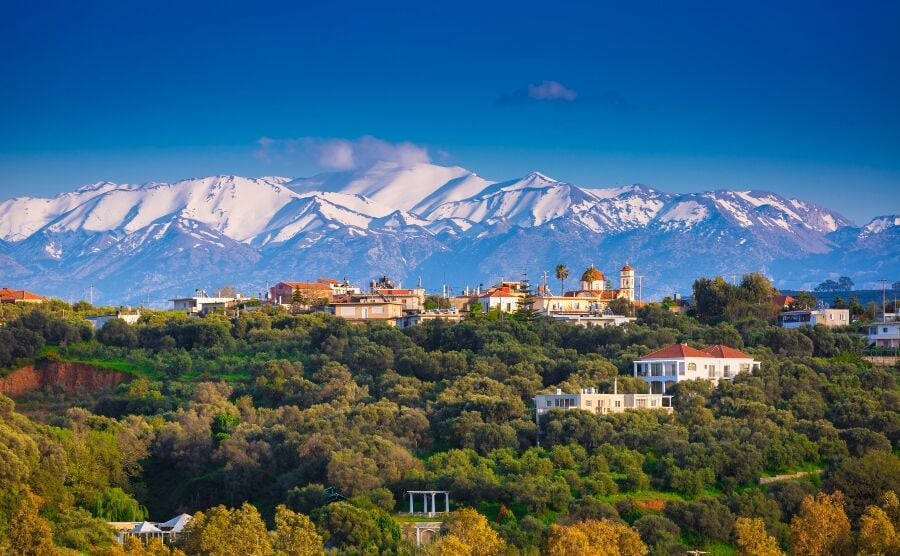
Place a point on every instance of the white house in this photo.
(810, 317)
(590, 399)
(202, 303)
(507, 297)
(884, 335)
(98, 323)
(678, 362)
(592, 319)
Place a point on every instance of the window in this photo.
(588, 403)
(692, 366)
(712, 371)
(549, 403)
(884, 329)
(618, 403)
(745, 367)
(652, 403)
(727, 371)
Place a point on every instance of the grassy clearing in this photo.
(117, 365)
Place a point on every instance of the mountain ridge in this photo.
(446, 224)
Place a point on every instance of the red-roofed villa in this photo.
(678, 362)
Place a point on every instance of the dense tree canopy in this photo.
(307, 431)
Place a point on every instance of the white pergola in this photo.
(432, 509)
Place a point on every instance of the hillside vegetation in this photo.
(250, 420)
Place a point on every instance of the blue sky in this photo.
(800, 99)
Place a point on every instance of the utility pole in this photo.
(883, 301)
(640, 289)
(733, 279)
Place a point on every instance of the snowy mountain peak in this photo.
(881, 223)
(532, 180)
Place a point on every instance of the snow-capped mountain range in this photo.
(443, 224)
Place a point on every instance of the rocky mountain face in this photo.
(445, 225)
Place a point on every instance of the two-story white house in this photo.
(809, 317)
(590, 399)
(883, 335)
(678, 362)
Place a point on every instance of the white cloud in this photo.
(340, 154)
(551, 90)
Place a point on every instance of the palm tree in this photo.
(562, 272)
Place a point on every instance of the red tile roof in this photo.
(725, 352)
(782, 300)
(328, 281)
(676, 351)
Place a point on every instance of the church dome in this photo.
(592, 275)
(627, 268)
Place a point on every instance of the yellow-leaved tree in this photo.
(594, 537)
(878, 532)
(29, 533)
(225, 531)
(753, 540)
(295, 534)
(821, 527)
(468, 533)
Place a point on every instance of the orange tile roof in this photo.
(725, 352)
(328, 281)
(12, 295)
(676, 351)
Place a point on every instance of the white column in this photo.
(447, 502)
(635, 368)
(433, 505)
(410, 503)
(425, 501)
(418, 537)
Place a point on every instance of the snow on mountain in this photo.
(530, 201)
(22, 216)
(396, 186)
(880, 224)
(443, 223)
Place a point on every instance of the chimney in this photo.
(559, 391)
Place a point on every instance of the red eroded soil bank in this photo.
(71, 376)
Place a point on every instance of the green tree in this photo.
(562, 272)
(114, 504)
